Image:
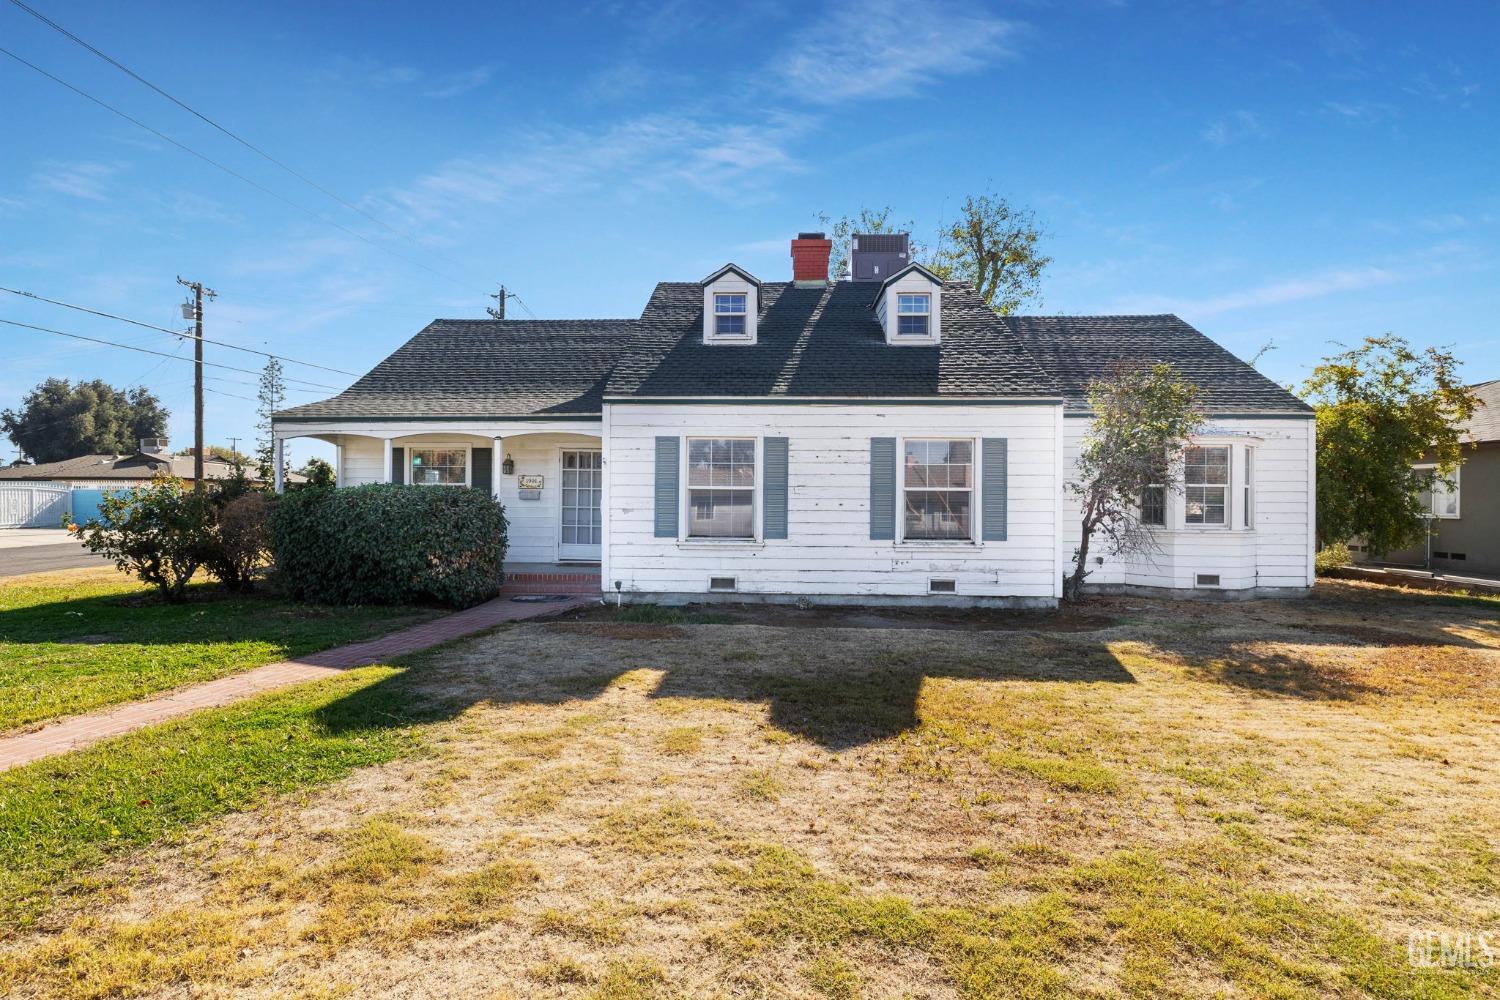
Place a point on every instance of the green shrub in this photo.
(159, 532)
(1332, 557)
(389, 544)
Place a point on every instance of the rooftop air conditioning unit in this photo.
(877, 256)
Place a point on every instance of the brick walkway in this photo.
(81, 731)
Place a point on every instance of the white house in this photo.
(885, 439)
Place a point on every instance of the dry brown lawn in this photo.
(1139, 798)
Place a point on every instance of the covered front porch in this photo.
(548, 474)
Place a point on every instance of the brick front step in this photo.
(583, 583)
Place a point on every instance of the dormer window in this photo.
(729, 314)
(913, 315)
(731, 301)
(909, 306)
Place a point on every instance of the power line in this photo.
(147, 350)
(226, 131)
(176, 333)
(233, 173)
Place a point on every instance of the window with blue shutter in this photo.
(883, 489)
(993, 490)
(667, 460)
(773, 482)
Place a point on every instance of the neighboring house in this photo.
(880, 440)
(1464, 512)
(104, 472)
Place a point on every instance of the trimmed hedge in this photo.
(389, 544)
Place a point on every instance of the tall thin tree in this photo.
(272, 396)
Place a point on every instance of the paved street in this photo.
(45, 558)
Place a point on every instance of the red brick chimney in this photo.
(810, 258)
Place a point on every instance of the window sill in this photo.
(936, 543)
(720, 543)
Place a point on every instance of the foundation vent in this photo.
(936, 586)
(723, 584)
(1208, 579)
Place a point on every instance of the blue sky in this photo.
(1271, 171)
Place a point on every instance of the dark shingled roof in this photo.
(465, 368)
(1078, 349)
(823, 341)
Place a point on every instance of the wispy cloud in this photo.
(1359, 112)
(1232, 128)
(457, 84)
(83, 179)
(1314, 286)
(653, 152)
(883, 48)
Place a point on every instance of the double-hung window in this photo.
(439, 466)
(729, 314)
(1205, 482)
(721, 487)
(938, 483)
(1439, 500)
(913, 315)
(1154, 506)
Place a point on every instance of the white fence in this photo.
(33, 506)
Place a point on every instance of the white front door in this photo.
(582, 490)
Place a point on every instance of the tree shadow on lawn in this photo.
(212, 615)
(836, 702)
(847, 692)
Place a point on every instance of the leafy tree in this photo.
(222, 452)
(58, 420)
(271, 397)
(1143, 418)
(159, 532)
(995, 248)
(1381, 407)
(318, 472)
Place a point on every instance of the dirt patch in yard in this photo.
(1234, 800)
(1100, 614)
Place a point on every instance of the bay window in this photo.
(1205, 481)
(721, 487)
(938, 485)
(439, 466)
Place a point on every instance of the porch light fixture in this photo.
(508, 467)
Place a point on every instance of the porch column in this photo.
(389, 465)
(278, 474)
(495, 462)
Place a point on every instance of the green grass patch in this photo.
(1074, 774)
(68, 647)
(61, 818)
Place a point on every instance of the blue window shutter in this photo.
(992, 490)
(398, 465)
(666, 487)
(773, 484)
(883, 489)
(480, 476)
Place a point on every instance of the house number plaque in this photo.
(530, 487)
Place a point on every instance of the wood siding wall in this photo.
(828, 549)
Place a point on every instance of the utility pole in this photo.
(500, 298)
(197, 307)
